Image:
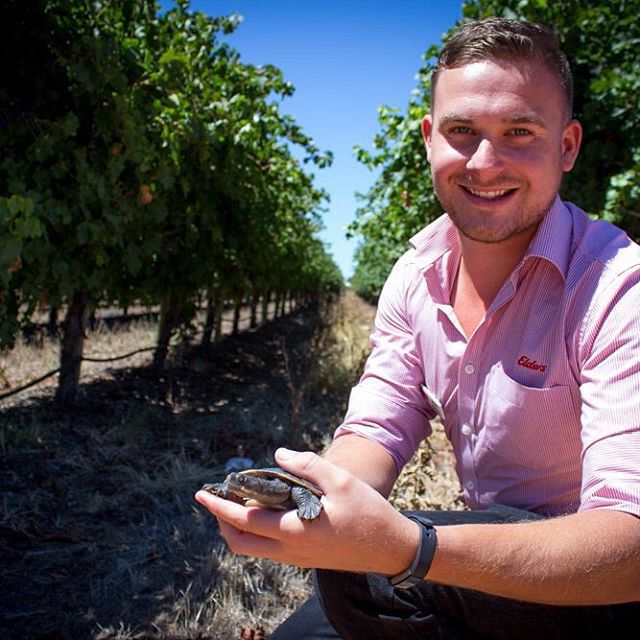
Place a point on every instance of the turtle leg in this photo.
(309, 505)
(221, 490)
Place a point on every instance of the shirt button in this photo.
(469, 368)
(466, 430)
(470, 484)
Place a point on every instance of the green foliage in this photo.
(602, 41)
(402, 198)
(142, 158)
(76, 149)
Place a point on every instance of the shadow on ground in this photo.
(99, 534)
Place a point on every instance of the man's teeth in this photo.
(488, 194)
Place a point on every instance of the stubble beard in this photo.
(515, 225)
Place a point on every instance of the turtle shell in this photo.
(271, 487)
(277, 472)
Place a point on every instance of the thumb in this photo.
(310, 466)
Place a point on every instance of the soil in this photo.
(99, 529)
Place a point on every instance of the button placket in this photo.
(467, 383)
(468, 380)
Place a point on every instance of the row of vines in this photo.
(144, 162)
(602, 41)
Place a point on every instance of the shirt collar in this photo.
(552, 241)
(436, 239)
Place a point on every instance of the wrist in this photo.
(425, 551)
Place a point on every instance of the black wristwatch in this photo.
(422, 562)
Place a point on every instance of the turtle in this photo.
(271, 487)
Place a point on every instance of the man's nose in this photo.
(485, 156)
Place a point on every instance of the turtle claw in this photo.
(309, 512)
(309, 506)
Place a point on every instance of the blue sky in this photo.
(345, 58)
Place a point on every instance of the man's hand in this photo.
(358, 530)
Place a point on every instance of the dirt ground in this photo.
(99, 534)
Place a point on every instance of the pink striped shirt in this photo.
(542, 403)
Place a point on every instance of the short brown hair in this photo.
(506, 40)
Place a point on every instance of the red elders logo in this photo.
(523, 361)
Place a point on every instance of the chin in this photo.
(485, 236)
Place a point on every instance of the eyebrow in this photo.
(519, 118)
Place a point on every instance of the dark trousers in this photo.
(364, 606)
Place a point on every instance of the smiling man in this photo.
(514, 319)
(498, 141)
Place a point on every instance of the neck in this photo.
(488, 266)
(483, 270)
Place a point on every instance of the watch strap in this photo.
(424, 555)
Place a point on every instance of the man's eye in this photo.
(461, 129)
(520, 132)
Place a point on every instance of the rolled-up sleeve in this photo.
(610, 389)
(387, 405)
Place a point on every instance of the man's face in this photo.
(498, 140)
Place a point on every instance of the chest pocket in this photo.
(531, 427)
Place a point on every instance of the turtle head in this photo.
(241, 484)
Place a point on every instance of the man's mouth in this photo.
(488, 195)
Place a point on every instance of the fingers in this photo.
(258, 532)
(237, 515)
(248, 544)
(245, 543)
(265, 523)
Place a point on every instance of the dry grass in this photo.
(32, 358)
(99, 534)
(429, 480)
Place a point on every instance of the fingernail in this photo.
(284, 454)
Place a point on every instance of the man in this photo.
(514, 318)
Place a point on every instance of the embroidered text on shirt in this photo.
(523, 361)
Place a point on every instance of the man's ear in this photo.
(427, 128)
(571, 138)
